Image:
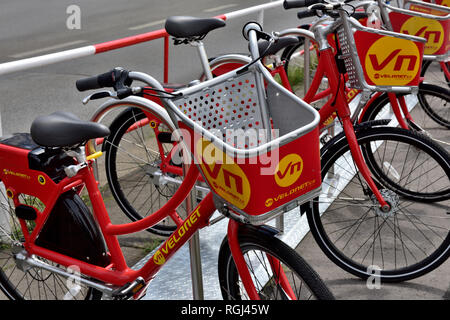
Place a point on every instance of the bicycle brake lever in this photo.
(99, 95)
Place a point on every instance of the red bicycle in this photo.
(356, 239)
(48, 228)
(436, 67)
(382, 185)
(431, 117)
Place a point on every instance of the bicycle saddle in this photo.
(186, 27)
(282, 43)
(64, 129)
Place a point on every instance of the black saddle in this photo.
(64, 129)
(188, 27)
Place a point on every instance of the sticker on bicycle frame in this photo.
(288, 170)
(428, 10)
(226, 177)
(158, 258)
(16, 174)
(429, 29)
(392, 62)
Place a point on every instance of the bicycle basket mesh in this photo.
(227, 107)
(353, 79)
(239, 109)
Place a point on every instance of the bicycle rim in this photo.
(433, 73)
(411, 239)
(256, 248)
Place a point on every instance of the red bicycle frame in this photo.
(398, 102)
(336, 106)
(19, 179)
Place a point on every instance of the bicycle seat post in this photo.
(203, 58)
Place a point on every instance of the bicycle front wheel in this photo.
(260, 249)
(410, 239)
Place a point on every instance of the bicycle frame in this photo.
(337, 106)
(398, 102)
(19, 179)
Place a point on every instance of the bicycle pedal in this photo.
(129, 289)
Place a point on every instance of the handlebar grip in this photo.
(96, 82)
(290, 4)
(306, 14)
(359, 15)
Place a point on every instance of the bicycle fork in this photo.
(244, 273)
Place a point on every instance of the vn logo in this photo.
(158, 258)
(400, 59)
(289, 170)
(392, 61)
(226, 177)
(429, 29)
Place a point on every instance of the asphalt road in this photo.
(30, 28)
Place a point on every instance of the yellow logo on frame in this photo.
(158, 258)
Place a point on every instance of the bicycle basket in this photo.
(435, 31)
(253, 169)
(380, 60)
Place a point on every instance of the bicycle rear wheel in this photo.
(19, 283)
(433, 73)
(134, 167)
(409, 240)
(258, 247)
(432, 113)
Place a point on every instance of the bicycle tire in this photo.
(34, 283)
(429, 97)
(145, 197)
(431, 76)
(357, 236)
(254, 238)
(440, 93)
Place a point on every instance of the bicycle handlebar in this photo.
(291, 4)
(116, 78)
(96, 82)
(306, 14)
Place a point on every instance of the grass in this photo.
(151, 245)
